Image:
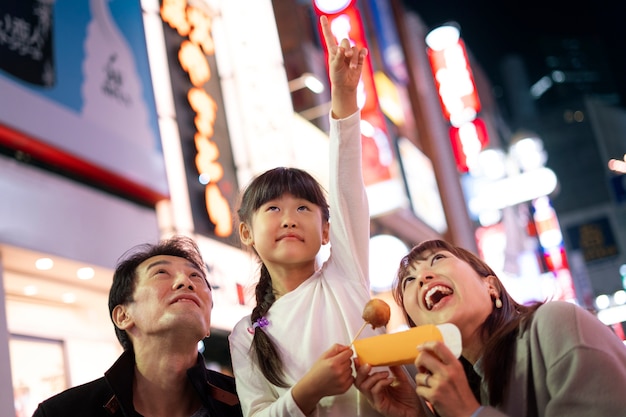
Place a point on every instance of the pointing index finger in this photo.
(329, 38)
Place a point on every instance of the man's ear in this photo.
(121, 318)
(245, 234)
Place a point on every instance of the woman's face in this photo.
(445, 289)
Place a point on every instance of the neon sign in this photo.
(195, 24)
(455, 83)
(457, 94)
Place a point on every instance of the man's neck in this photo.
(161, 388)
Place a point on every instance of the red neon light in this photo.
(555, 258)
(464, 145)
(454, 80)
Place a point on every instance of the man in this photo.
(160, 303)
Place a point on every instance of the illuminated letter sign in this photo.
(194, 25)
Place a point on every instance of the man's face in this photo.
(171, 297)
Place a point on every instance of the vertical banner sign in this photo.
(388, 39)
(455, 83)
(459, 101)
(345, 22)
(209, 164)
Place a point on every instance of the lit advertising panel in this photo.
(77, 92)
(203, 131)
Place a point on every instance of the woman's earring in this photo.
(498, 303)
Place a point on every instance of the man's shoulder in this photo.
(220, 379)
(95, 388)
(78, 400)
(221, 387)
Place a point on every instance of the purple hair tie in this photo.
(261, 322)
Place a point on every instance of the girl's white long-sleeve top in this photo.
(325, 309)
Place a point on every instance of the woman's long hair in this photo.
(500, 329)
(268, 186)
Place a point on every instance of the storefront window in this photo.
(38, 370)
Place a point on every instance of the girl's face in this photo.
(286, 231)
(445, 289)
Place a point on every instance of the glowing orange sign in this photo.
(196, 24)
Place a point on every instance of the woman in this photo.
(547, 359)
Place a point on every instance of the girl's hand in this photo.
(345, 63)
(331, 374)
(391, 395)
(442, 382)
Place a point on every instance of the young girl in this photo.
(291, 356)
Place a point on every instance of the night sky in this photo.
(494, 28)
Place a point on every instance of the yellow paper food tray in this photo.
(401, 348)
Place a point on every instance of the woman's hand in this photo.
(392, 395)
(442, 382)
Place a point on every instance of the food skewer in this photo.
(358, 333)
(377, 313)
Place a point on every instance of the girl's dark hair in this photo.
(125, 275)
(500, 329)
(268, 186)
